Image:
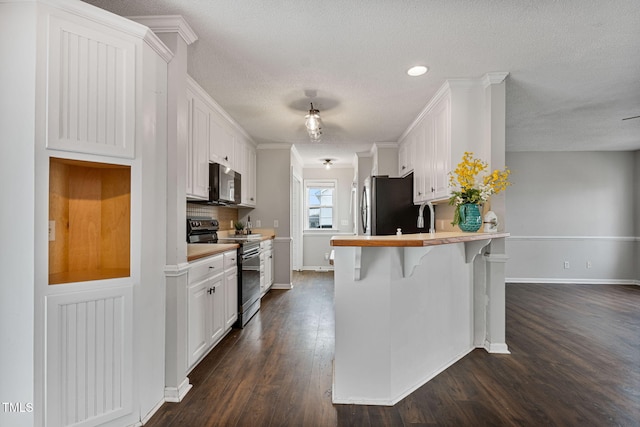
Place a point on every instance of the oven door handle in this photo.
(250, 255)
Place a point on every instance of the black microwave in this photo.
(224, 185)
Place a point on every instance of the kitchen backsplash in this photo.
(223, 214)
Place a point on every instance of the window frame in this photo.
(320, 183)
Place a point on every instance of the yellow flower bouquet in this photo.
(468, 189)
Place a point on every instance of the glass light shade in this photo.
(312, 121)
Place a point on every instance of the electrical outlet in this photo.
(275, 223)
(258, 223)
(566, 264)
(326, 256)
(344, 222)
(52, 231)
(589, 265)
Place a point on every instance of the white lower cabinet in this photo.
(266, 266)
(231, 289)
(212, 303)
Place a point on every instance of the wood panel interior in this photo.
(90, 204)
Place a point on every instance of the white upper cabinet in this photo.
(406, 155)
(91, 87)
(198, 148)
(248, 175)
(221, 142)
(449, 125)
(214, 137)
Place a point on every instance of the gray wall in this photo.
(577, 207)
(273, 176)
(317, 243)
(637, 214)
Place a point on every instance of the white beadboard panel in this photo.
(90, 90)
(89, 356)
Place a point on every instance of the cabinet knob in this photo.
(226, 158)
(404, 167)
(433, 190)
(211, 267)
(211, 291)
(419, 193)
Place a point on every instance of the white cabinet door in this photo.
(231, 297)
(216, 311)
(441, 157)
(268, 269)
(248, 175)
(197, 307)
(198, 149)
(221, 142)
(251, 176)
(91, 88)
(420, 164)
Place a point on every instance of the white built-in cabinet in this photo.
(91, 88)
(267, 262)
(212, 303)
(434, 144)
(215, 138)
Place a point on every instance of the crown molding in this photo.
(493, 78)
(207, 99)
(168, 24)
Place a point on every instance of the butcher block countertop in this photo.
(202, 250)
(414, 240)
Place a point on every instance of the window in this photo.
(320, 204)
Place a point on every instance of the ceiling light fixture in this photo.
(417, 70)
(313, 124)
(327, 164)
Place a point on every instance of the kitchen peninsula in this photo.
(408, 307)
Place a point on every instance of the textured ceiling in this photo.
(574, 66)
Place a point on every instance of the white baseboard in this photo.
(173, 394)
(317, 268)
(285, 286)
(551, 281)
(152, 412)
(496, 348)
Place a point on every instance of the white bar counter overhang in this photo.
(408, 307)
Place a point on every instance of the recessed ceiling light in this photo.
(417, 70)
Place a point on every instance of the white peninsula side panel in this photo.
(405, 314)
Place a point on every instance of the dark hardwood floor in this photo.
(575, 361)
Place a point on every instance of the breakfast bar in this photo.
(409, 306)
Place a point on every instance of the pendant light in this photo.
(313, 123)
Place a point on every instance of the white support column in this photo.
(176, 34)
(495, 339)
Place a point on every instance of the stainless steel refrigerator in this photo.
(387, 204)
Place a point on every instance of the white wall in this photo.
(317, 243)
(17, 152)
(576, 207)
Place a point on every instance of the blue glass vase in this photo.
(470, 217)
